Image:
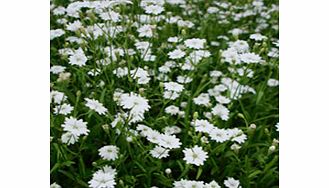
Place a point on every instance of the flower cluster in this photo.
(164, 93)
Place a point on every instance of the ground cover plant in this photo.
(164, 93)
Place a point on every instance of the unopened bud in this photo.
(141, 90)
(105, 127)
(183, 32)
(241, 115)
(204, 139)
(235, 147)
(129, 139)
(78, 93)
(63, 76)
(253, 126)
(195, 115)
(168, 171)
(275, 142)
(271, 149)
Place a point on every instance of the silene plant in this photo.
(164, 93)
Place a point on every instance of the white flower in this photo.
(240, 139)
(137, 105)
(219, 135)
(154, 9)
(134, 102)
(143, 46)
(194, 184)
(75, 126)
(121, 72)
(170, 95)
(169, 141)
(236, 31)
(69, 138)
(221, 111)
(196, 56)
(59, 10)
(173, 86)
(110, 16)
(78, 58)
(195, 43)
(109, 152)
(212, 10)
(63, 109)
(146, 31)
(195, 155)
(159, 152)
(202, 99)
(240, 46)
(169, 130)
(212, 184)
(231, 56)
(55, 185)
(96, 105)
(153, 136)
(257, 37)
(76, 25)
(203, 126)
(143, 129)
(104, 178)
(250, 58)
(119, 118)
(57, 97)
(173, 39)
(164, 69)
(274, 52)
(172, 110)
(56, 69)
(184, 79)
(272, 82)
(141, 75)
(56, 33)
(222, 99)
(215, 73)
(176, 54)
(231, 183)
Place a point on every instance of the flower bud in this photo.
(195, 115)
(78, 93)
(129, 139)
(63, 76)
(105, 127)
(183, 32)
(275, 142)
(271, 149)
(241, 115)
(253, 126)
(235, 148)
(204, 139)
(141, 91)
(168, 171)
